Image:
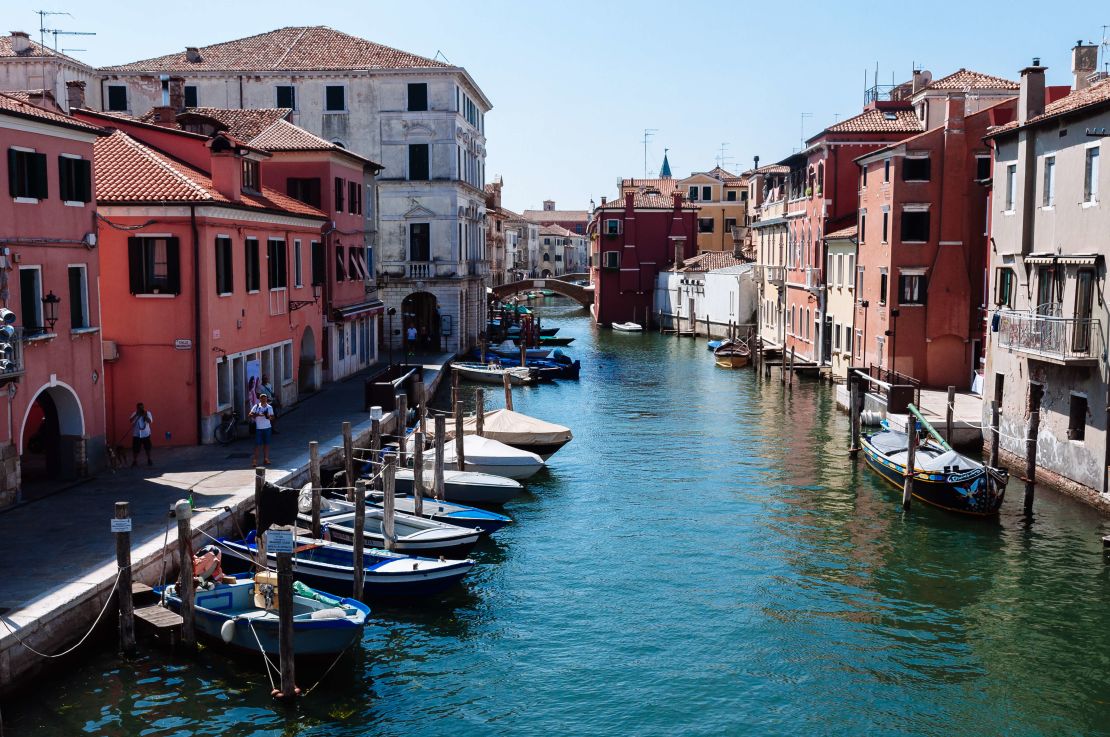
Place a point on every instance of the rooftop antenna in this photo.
(648, 134)
(439, 55)
(802, 131)
(42, 14)
(56, 32)
(722, 155)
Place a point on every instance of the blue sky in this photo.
(575, 83)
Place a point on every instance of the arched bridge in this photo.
(583, 295)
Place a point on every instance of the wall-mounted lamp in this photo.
(50, 309)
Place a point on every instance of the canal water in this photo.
(702, 559)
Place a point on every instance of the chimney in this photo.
(21, 42)
(677, 255)
(603, 200)
(192, 55)
(1031, 96)
(756, 163)
(1084, 63)
(165, 116)
(177, 94)
(227, 170)
(548, 205)
(919, 81)
(75, 94)
(954, 111)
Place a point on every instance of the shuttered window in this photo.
(340, 264)
(319, 265)
(27, 174)
(253, 270)
(225, 283)
(277, 271)
(154, 265)
(306, 190)
(74, 179)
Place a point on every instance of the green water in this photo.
(702, 559)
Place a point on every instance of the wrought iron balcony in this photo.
(1063, 340)
(11, 363)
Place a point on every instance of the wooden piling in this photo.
(401, 427)
(854, 390)
(993, 461)
(791, 365)
(315, 483)
(184, 513)
(375, 452)
(348, 461)
(437, 479)
(911, 461)
(523, 350)
(418, 474)
(1031, 446)
(123, 564)
(460, 458)
(422, 406)
(949, 425)
(285, 624)
(508, 383)
(259, 540)
(479, 411)
(454, 386)
(389, 530)
(358, 540)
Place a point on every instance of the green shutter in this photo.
(39, 188)
(135, 264)
(173, 266)
(14, 173)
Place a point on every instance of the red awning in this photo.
(374, 306)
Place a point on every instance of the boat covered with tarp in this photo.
(520, 431)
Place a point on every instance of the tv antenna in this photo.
(802, 130)
(723, 159)
(56, 32)
(649, 133)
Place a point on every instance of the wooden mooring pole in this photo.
(523, 350)
(389, 530)
(460, 455)
(418, 474)
(122, 530)
(358, 540)
(1031, 446)
(400, 424)
(375, 453)
(479, 411)
(289, 688)
(437, 479)
(791, 366)
(854, 390)
(911, 461)
(348, 461)
(949, 424)
(993, 460)
(315, 482)
(421, 406)
(184, 513)
(454, 386)
(259, 538)
(508, 383)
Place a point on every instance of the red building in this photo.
(923, 248)
(207, 278)
(49, 277)
(634, 241)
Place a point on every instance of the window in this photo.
(335, 98)
(707, 193)
(420, 243)
(153, 263)
(862, 225)
(1004, 287)
(693, 194)
(278, 276)
(253, 270)
(731, 195)
(850, 270)
(836, 337)
(287, 363)
(286, 96)
(30, 299)
(355, 270)
(27, 174)
(354, 198)
(117, 98)
(339, 192)
(251, 181)
(839, 269)
(1011, 185)
(340, 264)
(882, 286)
(848, 340)
(886, 225)
(319, 270)
(911, 289)
(547, 257)
(915, 169)
(1048, 196)
(859, 344)
(915, 226)
(863, 175)
(224, 283)
(982, 167)
(78, 298)
(306, 190)
(1090, 176)
(418, 161)
(298, 276)
(1077, 417)
(705, 225)
(1046, 292)
(223, 383)
(886, 170)
(1084, 305)
(191, 96)
(74, 179)
(418, 96)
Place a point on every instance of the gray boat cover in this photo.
(513, 428)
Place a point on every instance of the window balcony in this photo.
(1067, 341)
(776, 275)
(813, 278)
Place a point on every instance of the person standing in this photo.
(263, 416)
(265, 387)
(410, 338)
(141, 420)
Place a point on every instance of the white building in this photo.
(711, 286)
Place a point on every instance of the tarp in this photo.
(513, 428)
(484, 451)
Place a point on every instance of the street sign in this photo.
(279, 541)
(183, 344)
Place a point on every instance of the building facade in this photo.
(722, 200)
(841, 248)
(573, 220)
(767, 203)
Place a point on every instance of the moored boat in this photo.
(520, 431)
(552, 341)
(415, 535)
(713, 344)
(486, 455)
(461, 515)
(466, 486)
(628, 327)
(732, 354)
(509, 350)
(493, 373)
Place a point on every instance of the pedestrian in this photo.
(410, 338)
(264, 386)
(263, 416)
(141, 420)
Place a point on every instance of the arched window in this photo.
(547, 257)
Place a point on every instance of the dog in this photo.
(117, 457)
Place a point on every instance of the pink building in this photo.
(50, 279)
(208, 278)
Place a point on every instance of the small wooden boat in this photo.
(415, 535)
(245, 608)
(713, 344)
(520, 431)
(483, 520)
(493, 373)
(628, 327)
(942, 477)
(732, 354)
(385, 574)
(514, 332)
(553, 341)
(508, 350)
(465, 486)
(486, 455)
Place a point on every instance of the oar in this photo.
(929, 428)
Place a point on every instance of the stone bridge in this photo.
(560, 285)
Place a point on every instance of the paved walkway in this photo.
(57, 547)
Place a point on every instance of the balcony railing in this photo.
(432, 269)
(813, 277)
(1066, 340)
(776, 275)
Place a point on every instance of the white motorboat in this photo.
(508, 349)
(520, 431)
(486, 455)
(628, 327)
(494, 373)
(465, 487)
(415, 535)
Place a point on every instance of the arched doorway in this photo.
(420, 310)
(545, 273)
(52, 428)
(307, 377)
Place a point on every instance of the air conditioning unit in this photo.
(612, 259)
(613, 227)
(111, 350)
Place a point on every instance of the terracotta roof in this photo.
(127, 170)
(711, 260)
(36, 51)
(244, 124)
(294, 48)
(559, 231)
(850, 232)
(284, 136)
(665, 185)
(772, 169)
(965, 79)
(543, 216)
(646, 201)
(879, 121)
(13, 105)
(1096, 95)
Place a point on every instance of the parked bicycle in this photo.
(225, 431)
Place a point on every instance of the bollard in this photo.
(358, 540)
(441, 432)
(289, 689)
(508, 390)
(911, 461)
(389, 529)
(122, 530)
(460, 455)
(348, 460)
(315, 483)
(418, 474)
(479, 411)
(184, 512)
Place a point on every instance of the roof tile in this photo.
(711, 260)
(1096, 94)
(966, 79)
(879, 121)
(10, 103)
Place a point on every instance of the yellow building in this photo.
(722, 200)
(840, 293)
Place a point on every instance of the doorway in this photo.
(52, 429)
(420, 311)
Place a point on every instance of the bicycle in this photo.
(225, 431)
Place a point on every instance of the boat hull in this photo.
(972, 493)
(732, 362)
(456, 548)
(493, 490)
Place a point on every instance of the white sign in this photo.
(539, 284)
(279, 541)
(121, 525)
(183, 344)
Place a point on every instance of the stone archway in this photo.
(420, 311)
(307, 381)
(51, 436)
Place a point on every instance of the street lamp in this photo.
(50, 309)
(391, 312)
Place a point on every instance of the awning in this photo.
(1070, 259)
(374, 306)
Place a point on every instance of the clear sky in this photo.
(574, 84)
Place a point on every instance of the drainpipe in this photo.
(196, 321)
